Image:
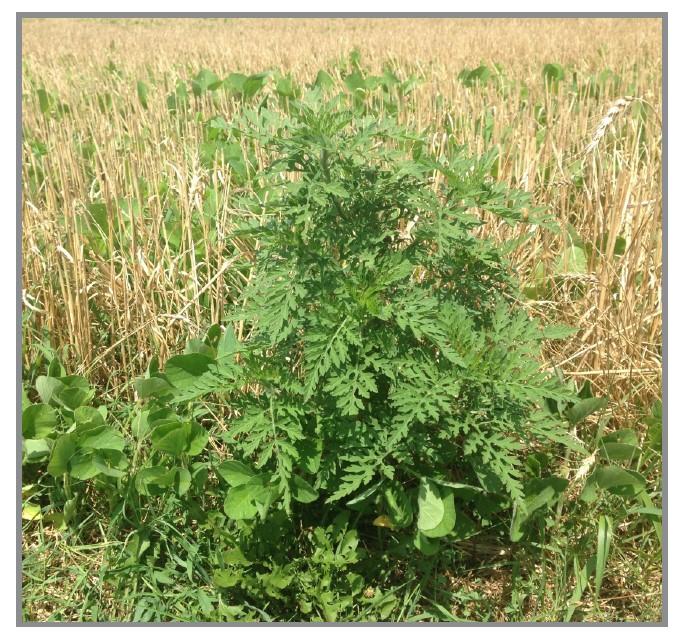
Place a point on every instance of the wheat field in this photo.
(111, 314)
(118, 196)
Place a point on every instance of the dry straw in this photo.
(614, 112)
(112, 313)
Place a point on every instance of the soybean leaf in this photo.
(430, 506)
(424, 545)
(302, 491)
(183, 370)
(62, 451)
(170, 437)
(202, 81)
(240, 501)
(539, 493)
(110, 463)
(585, 408)
(196, 439)
(36, 450)
(619, 481)
(324, 81)
(235, 473)
(101, 438)
(82, 466)
(447, 524)
(88, 415)
(47, 387)
(38, 421)
(142, 92)
(147, 387)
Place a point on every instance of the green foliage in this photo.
(480, 75)
(382, 401)
(553, 74)
(384, 349)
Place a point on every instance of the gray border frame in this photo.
(665, 256)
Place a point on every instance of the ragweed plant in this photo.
(386, 363)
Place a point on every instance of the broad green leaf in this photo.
(213, 335)
(235, 473)
(178, 437)
(355, 82)
(235, 82)
(235, 557)
(228, 345)
(240, 501)
(75, 381)
(430, 506)
(310, 453)
(156, 480)
(553, 73)
(538, 493)
(619, 480)
(148, 477)
(196, 439)
(36, 450)
(624, 435)
(324, 81)
(30, 512)
(302, 491)
(47, 387)
(110, 464)
(183, 370)
(464, 528)
(585, 408)
(198, 346)
(100, 438)
(88, 415)
(447, 524)
(142, 92)
(202, 81)
(286, 87)
(82, 466)
(181, 480)
(43, 101)
(38, 421)
(615, 451)
(63, 450)
(573, 260)
(253, 84)
(55, 368)
(73, 397)
(139, 424)
(163, 577)
(147, 387)
(263, 502)
(424, 545)
(170, 437)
